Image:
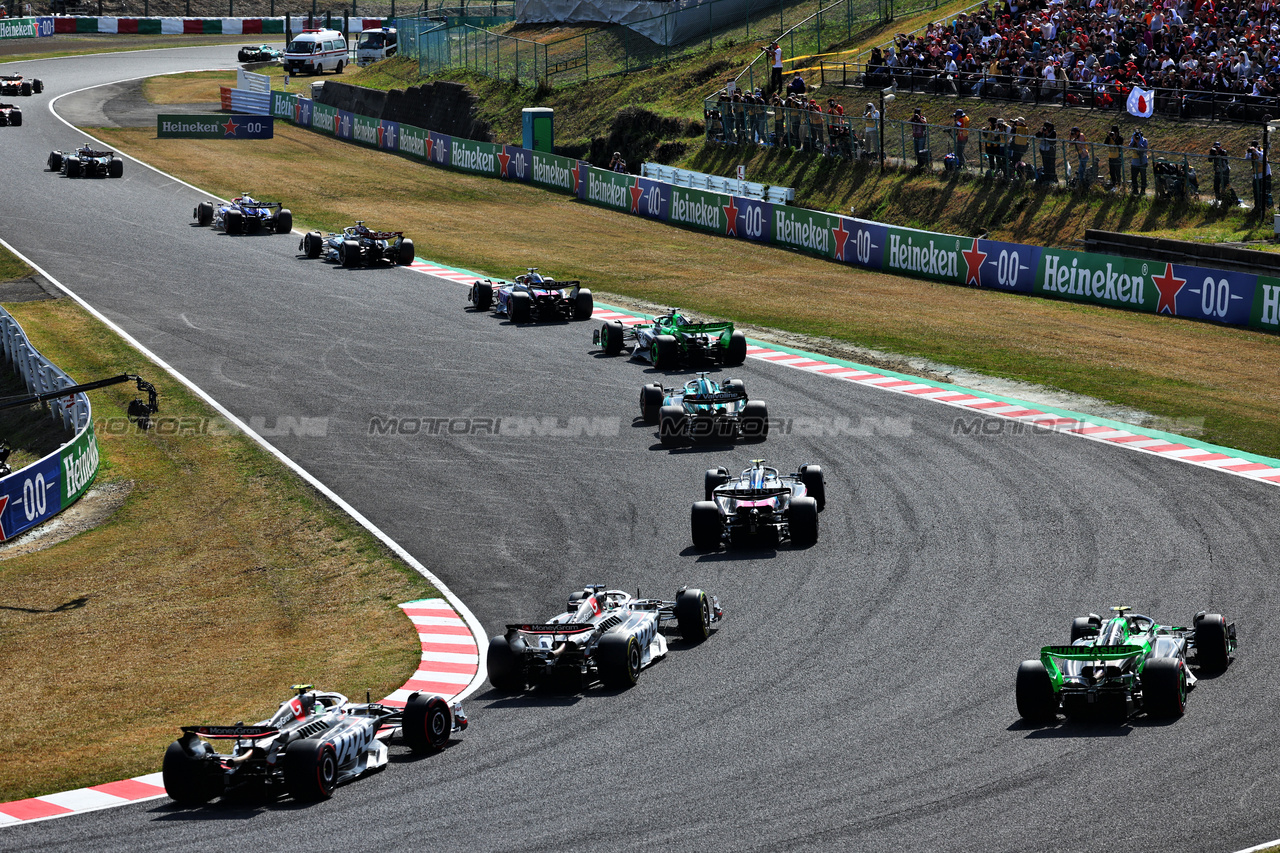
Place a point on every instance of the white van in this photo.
(375, 45)
(316, 51)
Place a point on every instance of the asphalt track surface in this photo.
(860, 694)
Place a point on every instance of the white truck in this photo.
(375, 44)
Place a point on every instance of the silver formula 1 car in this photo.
(759, 503)
(704, 409)
(86, 162)
(313, 743)
(358, 245)
(533, 296)
(245, 215)
(603, 635)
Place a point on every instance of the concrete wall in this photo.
(442, 106)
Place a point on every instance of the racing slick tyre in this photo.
(1082, 626)
(520, 307)
(707, 525)
(233, 222)
(611, 337)
(737, 387)
(673, 426)
(115, 169)
(25, 88)
(754, 421)
(405, 258)
(482, 295)
(504, 666)
(737, 351)
(1036, 701)
(802, 520)
(312, 243)
(348, 253)
(74, 167)
(37, 86)
(15, 118)
(242, 56)
(666, 352)
(55, 161)
(583, 304)
(811, 476)
(204, 213)
(310, 769)
(192, 778)
(713, 479)
(1211, 642)
(693, 615)
(1164, 687)
(284, 221)
(427, 723)
(651, 398)
(619, 664)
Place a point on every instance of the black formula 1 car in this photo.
(258, 53)
(16, 84)
(245, 215)
(1126, 665)
(758, 503)
(86, 162)
(358, 245)
(603, 635)
(704, 409)
(533, 296)
(10, 115)
(313, 743)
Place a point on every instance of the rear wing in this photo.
(1086, 653)
(237, 732)
(721, 397)
(554, 628)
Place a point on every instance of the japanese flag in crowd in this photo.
(1142, 102)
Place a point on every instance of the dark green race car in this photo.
(704, 409)
(1127, 665)
(673, 339)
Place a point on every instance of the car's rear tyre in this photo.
(611, 337)
(736, 386)
(713, 479)
(520, 307)
(233, 222)
(55, 161)
(1082, 626)
(405, 258)
(25, 88)
(349, 253)
(482, 295)
(651, 398)
(583, 305)
(620, 656)
(707, 525)
(312, 243)
(693, 615)
(284, 221)
(737, 351)
(754, 420)
(802, 520)
(666, 352)
(814, 485)
(192, 778)
(1036, 700)
(74, 167)
(673, 426)
(15, 118)
(204, 213)
(506, 673)
(310, 769)
(1164, 687)
(427, 723)
(115, 169)
(1211, 643)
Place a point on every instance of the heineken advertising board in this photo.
(366, 130)
(389, 135)
(1266, 305)
(324, 118)
(42, 490)
(214, 127)
(476, 157)
(514, 163)
(806, 230)
(609, 189)
(413, 141)
(284, 105)
(346, 125)
(555, 172)
(25, 28)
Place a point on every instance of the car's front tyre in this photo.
(427, 723)
(619, 663)
(693, 615)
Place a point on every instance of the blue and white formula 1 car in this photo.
(313, 743)
(533, 296)
(245, 215)
(602, 635)
(704, 409)
(758, 503)
(358, 245)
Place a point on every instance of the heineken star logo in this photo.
(1169, 286)
(577, 174)
(503, 159)
(636, 194)
(842, 237)
(230, 127)
(731, 218)
(973, 258)
(4, 501)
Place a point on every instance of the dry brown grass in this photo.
(222, 580)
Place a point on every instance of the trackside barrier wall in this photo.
(47, 487)
(1156, 287)
(188, 26)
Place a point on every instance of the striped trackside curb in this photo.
(450, 658)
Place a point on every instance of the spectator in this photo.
(796, 86)
(1261, 177)
(920, 137)
(779, 121)
(1081, 145)
(960, 133)
(1138, 163)
(871, 130)
(617, 164)
(774, 54)
(1019, 142)
(993, 146)
(1047, 139)
(1221, 169)
(1115, 156)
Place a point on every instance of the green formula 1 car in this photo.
(674, 338)
(1127, 665)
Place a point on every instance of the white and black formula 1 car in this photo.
(603, 635)
(258, 53)
(85, 162)
(313, 743)
(10, 115)
(16, 84)
(358, 245)
(704, 409)
(533, 296)
(758, 503)
(245, 215)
